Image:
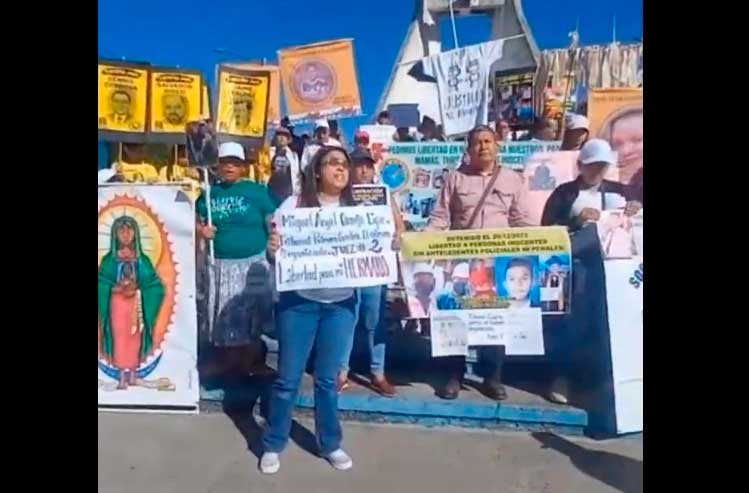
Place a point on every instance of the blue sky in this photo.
(185, 33)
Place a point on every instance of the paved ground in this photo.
(210, 454)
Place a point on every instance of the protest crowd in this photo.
(253, 185)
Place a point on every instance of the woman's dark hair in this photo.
(310, 180)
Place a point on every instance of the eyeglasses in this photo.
(336, 162)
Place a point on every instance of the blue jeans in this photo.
(302, 324)
(370, 311)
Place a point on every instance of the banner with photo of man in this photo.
(274, 101)
(418, 171)
(123, 100)
(616, 115)
(320, 81)
(487, 281)
(176, 98)
(242, 109)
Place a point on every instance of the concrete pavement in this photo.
(149, 453)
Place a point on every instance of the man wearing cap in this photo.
(456, 288)
(322, 138)
(575, 204)
(285, 179)
(463, 204)
(576, 131)
(361, 140)
(424, 282)
(297, 141)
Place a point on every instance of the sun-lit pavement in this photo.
(210, 453)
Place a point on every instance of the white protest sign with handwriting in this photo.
(335, 247)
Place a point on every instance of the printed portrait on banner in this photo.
(175, 100)
(123, 96)
(243, 102)
(147, 327)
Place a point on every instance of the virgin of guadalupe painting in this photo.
(130, 296)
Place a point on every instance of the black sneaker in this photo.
(451, 389)
(494, 389)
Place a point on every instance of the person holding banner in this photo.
(576, 132)
(480, 194)
(323, 318)
(240, 300)
(371, 307)
(575, 205)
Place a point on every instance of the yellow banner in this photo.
(243, 102)
(123, 97)
(616, 115)
(175, 100)
(320, 80)
(484, 243)
(274, 102)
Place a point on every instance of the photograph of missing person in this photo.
(422, 178)
(202, 145)
(439, 178)
(517, 281)
(556, 281)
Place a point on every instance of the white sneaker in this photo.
(339, 460)
(559, 391)
(269, 463)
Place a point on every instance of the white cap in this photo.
(574, 121)
(231, 149)
(321, 124)
(423, 268)
(105, 174)
(597, 151)
(461, 270)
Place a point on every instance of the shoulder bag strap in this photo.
(484, 195)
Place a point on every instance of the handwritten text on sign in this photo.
(335, 247)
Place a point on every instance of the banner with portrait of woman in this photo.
(616, 115)
(175, 99)
(242, 109)
(147, 332)
(123, 101)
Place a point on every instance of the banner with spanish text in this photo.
(146, 297)
(123, 100)
(616, 115)
(335, 247)
(176, 98)
(417, 172)
(242, 109)
(320, 81)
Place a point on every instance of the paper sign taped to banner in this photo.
(335, 247)
(519, 330)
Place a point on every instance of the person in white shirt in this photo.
(322, 138)
(285, 178)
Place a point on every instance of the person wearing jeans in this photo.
(321, 317)
(371, 316)
(371, 309)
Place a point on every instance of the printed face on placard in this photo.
(136, 289)
(314, 81)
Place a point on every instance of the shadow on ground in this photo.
(617, 471)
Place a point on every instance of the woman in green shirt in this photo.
(240, 293)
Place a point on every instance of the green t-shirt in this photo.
(238, 211)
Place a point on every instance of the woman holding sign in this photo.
(323, 318)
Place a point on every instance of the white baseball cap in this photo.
(461, 270)
(321, 124)
(423, 268)
(231, 149)
(105, 174)
(597, 151)
(575, 121)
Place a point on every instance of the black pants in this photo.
(490, 362)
